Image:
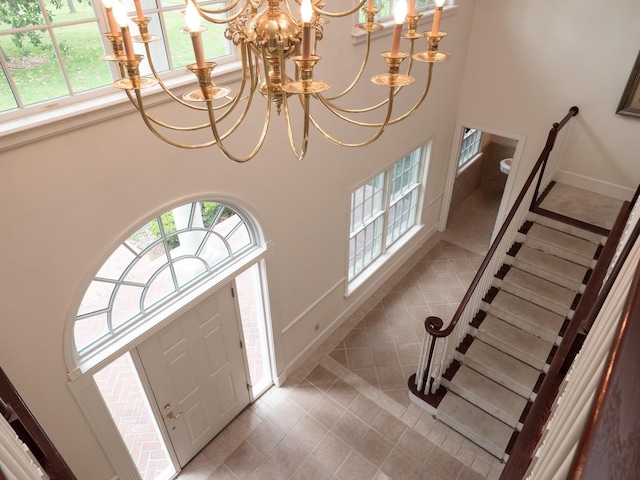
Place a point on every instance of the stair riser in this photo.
(522, 324)
(538, 300)
(521, 390)
(480, 403)
(510, 350)
(495, 450)
(554, 250)
(547, 275)
(563, 227)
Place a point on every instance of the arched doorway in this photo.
(178, 308)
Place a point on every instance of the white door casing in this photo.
(196, 369)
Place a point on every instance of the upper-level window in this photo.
(50, 49)
(383, 209)
(157, 263)
(386, 8)
(470, 145)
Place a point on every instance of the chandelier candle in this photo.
(436, 17)
(113, 25)
(122, 19)
(369, 5)
(305, 12)
(192, 18)
(139, 9)
(412, 7)
(399, 13)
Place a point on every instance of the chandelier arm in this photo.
(166, 89)
(329, 100)
(382, 126)
(304, 100)
(265, 127)
(147, 120)
(206, 13)
(339, 14)
(336, 111)
(420, 100)
(138, 104)
(359, 75)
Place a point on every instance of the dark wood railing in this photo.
(434, 325)
(27, 428)
(608, 448)
(585, 314)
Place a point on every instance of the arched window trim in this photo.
(163, 312)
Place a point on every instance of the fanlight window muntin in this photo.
(159, 261)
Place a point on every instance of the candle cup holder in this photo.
(369, 25)
(133, 81)
(412, 25)
(392, 78)
(116, 45)
(207, 90)
(306, 84)
(432, 55)
(143, 27)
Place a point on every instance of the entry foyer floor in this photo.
(345, 414)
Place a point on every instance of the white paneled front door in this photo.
(196, 369)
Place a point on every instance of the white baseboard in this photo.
(594, 185)
(363, 296)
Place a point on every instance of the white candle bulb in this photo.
(399, 14)
(121, 17)
(192, 17)
(306, 11)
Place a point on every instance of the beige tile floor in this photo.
(345, 414)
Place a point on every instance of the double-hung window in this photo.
(387, 6)
(470, 145)
(382, 210)
(50, 49)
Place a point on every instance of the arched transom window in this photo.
(157, 263)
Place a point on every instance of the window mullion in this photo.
(387, 201)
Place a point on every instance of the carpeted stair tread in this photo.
(514, 341)
(490, 396)
(526, 315)
(540, 291)
(543, 262)
(566, 228)
(502, 368)
(562, 240)
(474, 423)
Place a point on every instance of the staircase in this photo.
(499, 366)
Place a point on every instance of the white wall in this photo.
(529, 61)
(67, 200)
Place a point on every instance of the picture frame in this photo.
(630, 101)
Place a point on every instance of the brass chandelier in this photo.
(269, 38)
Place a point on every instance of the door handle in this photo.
(173, 416)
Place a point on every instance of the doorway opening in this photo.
(479, 186)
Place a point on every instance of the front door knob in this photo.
(173, 416)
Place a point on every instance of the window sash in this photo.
(17, 97)
(470, 145)
(374, 230)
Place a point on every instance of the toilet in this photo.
(505, 165)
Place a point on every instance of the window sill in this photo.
(368, 273)
(112, 103)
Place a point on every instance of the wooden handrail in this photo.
(608, 446)
(434, 324)
(528, 438)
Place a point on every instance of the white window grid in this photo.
(470, 145)
(159, 262)
(387, 6)
(67, 89)
(382, 210)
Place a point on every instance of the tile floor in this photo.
(345, 414)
